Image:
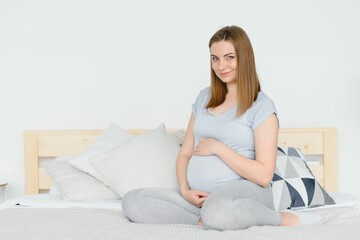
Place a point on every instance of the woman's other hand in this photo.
(206, 147)
(195, 197)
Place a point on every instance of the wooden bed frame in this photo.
(44, 144)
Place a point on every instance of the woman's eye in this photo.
(230, 57)
(214, 59)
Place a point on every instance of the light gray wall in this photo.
(83, 64)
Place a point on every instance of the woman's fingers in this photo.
(202, 200)
(200, 197)
(205, 147)
(196, 197)
(202, 193)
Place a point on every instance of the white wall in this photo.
(83, 64)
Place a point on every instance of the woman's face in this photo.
(223, 61)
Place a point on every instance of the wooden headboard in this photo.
(320, 143)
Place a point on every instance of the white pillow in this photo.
(75, 185)
(111, 138)
(147, 160)
(54, 189)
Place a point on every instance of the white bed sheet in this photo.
(341, 200)
(56, 201)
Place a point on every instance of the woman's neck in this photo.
(232, 91)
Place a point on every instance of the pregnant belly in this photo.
(205, 173)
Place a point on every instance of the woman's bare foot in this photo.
(289, 219)
(200, 223)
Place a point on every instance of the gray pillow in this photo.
(293, 184)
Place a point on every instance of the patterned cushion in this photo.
(293, 184)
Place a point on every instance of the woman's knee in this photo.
(227, 214)
(132, 204)
(131, 197)
(214, 213)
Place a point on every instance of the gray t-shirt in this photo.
(208, 172)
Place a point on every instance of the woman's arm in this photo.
(193, 196)
(185, 155)
(260, 170)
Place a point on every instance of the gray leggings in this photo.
(234, 205)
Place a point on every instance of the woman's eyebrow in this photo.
(230, 53)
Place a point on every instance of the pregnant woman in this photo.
(228, 156)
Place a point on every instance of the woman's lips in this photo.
(224, 74)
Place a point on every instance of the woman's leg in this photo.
(155, 205)
(239, 205)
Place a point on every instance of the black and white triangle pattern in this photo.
(293, 184)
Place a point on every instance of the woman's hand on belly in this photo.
(195, 197)
(206, 147)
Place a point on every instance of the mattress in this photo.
(50, 217)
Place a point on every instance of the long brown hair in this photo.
(247, 81)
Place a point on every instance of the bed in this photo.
(40, 215)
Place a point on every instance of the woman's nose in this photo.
(222, 65)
